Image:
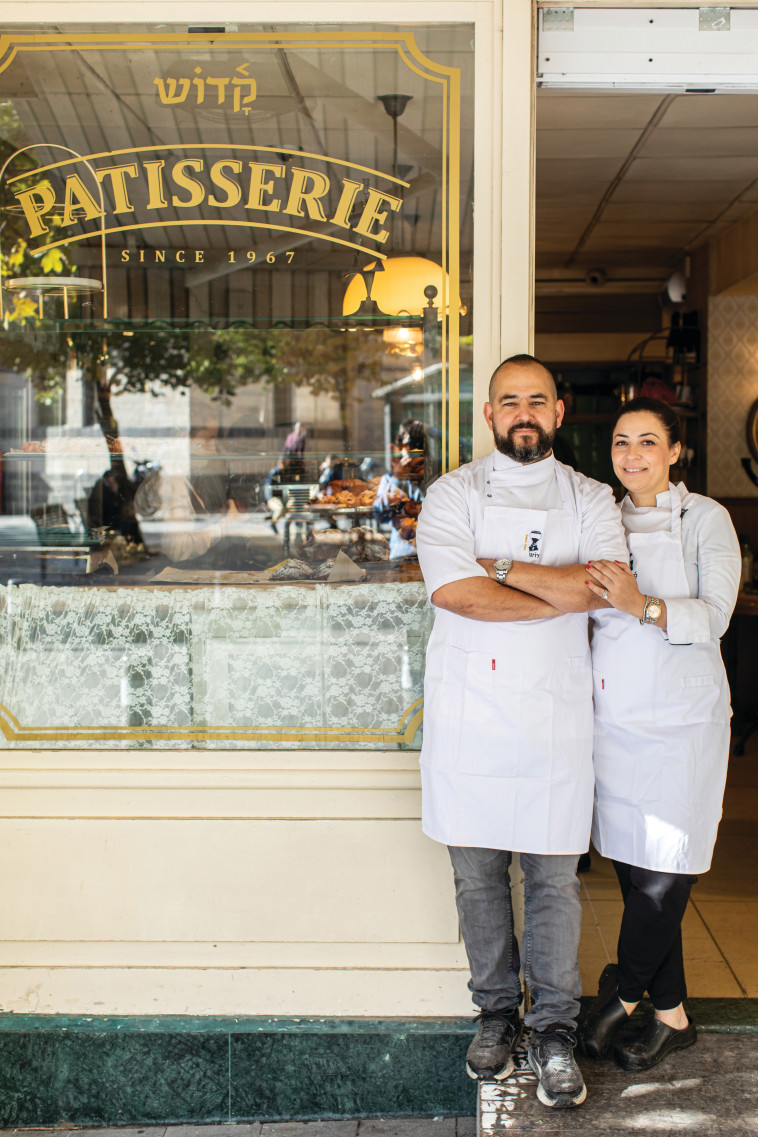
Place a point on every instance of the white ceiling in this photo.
(631, 183)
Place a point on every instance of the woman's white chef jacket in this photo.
(661, 698)
(506, 761)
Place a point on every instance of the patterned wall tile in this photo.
(732, 388)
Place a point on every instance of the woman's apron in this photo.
(661, 724)
(506, 759)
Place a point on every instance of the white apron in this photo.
(507, 754)
(661, 725)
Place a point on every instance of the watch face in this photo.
(654, 611)
(503, 564)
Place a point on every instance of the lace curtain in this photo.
(318, 666)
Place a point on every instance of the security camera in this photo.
(596, 277)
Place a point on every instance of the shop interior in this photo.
(647, 281)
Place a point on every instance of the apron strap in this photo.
(676, 510)
(568, 492)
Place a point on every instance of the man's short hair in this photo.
(523, 360)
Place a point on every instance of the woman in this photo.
(661, 726)
(399, 493)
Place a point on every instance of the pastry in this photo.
(292, 569)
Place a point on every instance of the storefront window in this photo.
(235, 350)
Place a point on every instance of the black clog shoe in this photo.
(604, 1016)
(653, 1043)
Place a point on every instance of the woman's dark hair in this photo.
(665, 414)
(410, 434)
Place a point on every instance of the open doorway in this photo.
(647, 281)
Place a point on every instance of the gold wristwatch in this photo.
(652, 611)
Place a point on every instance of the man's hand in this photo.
(563, 587)
(477, 598)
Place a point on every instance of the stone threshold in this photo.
(58, 1070)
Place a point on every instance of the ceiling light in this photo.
(398, 287)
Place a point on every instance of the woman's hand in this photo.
(614, 582)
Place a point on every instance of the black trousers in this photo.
(650, 956)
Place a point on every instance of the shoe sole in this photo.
(487, 1076)
(635, 1068)
(560, 1101)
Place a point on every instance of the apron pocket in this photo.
(444, 684)
(692, 699)
(577, 677)
(598, 695)
(478, 700)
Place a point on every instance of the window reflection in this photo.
(236, 329)
(168, 449)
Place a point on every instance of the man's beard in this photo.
(522, 452)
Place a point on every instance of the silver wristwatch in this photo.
(651, 613)
(502, 568)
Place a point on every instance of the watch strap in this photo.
(650, 602)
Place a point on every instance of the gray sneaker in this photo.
(551, 1056)
(490, 1054)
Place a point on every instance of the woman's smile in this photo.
(642, 456)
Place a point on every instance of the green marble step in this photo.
(111, 1070)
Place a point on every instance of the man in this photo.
(507, 755)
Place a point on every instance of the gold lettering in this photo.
(260, 185)
(300, 193)
(180, 256)
(346, 202)
(118, 175)
(169, 95)
(200, 84)
(199, 256)
(252, 89)
(232, 189)
(220, 85)
(160, 256)
(124, 256)
(184, 181)
(34, 203)
(157, 199)
(78, 197)
(142, 256)
(373, 213)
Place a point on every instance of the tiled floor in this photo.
(721, 924)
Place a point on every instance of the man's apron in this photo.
(507, 753)
(662, 725)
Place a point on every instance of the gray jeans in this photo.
(552, 926)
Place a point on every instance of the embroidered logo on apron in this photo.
(533, 544)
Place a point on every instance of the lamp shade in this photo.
(398, 287)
